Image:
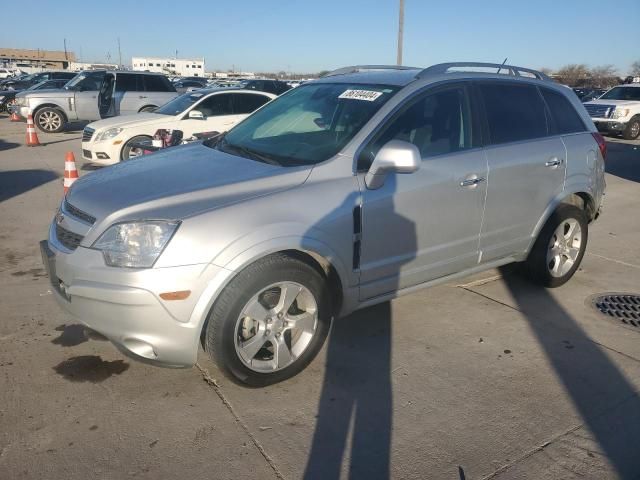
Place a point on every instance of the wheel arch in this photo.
(147, 106)
(54, 106)
(125, 142)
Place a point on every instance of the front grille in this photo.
(76, 212)
(86, 153)
(67, 239)
(600, 111)
(87, 134)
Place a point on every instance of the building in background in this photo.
(186, 67)
(78, 66)
(35, 60)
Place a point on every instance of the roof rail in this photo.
(360, 68)
(511, 69)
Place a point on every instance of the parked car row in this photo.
(617, 111)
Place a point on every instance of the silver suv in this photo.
(344, 192)
(93, 95)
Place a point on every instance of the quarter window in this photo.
(564, 115)
(514, 112)
(156, 83)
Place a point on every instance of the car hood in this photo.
(138, 119)
(48, 93)
(621, 103)
(178, 183)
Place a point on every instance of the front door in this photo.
(526, 165)
(218, 115)
(422, 226)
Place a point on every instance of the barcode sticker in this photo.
(366, 95)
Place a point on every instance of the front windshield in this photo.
(38, 85)
(308, 125)
(622, 93)
(86, 81)
(179, 104)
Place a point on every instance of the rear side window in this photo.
(157, 83)
(126, 83)
(247, 102)
(513, 112)
(565, 117)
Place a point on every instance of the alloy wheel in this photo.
(276, 326)
(564, 247)
(49, 121)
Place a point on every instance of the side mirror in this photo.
(196, 115)
(396, 156)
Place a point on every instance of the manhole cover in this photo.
(622, 306)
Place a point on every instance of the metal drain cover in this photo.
(622, 306)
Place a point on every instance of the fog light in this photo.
(102, 156)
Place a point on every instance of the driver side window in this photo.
(216, 105)
(437, 123)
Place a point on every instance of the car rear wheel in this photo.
(559, 248)
(632, 131)
(49, 120)
(130, 151)
(269, 322)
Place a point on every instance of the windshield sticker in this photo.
(366, 95)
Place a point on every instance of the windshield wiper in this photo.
(223, 145)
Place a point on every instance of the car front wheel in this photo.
(269, 322)
(632, 130)
(559, 248)
(49, 120)
(129, 150)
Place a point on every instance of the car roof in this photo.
(375, 77)
(207, 91)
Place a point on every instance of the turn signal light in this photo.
(181, 295)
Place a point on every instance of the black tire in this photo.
(148, 108)
(632, 130)
(537, 267)
(125, 153)
(221, 327)
(49, 120)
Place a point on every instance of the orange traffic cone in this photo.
(32, 136)
(14, 117)
(70, 171)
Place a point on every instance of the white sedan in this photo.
(109, 141)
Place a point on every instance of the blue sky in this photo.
(308, 36)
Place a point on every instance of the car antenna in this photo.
(501, 65)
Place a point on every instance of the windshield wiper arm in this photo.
(247, 152)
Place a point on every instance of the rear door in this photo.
(526, 166)
(127, 94)
(158, 90)
(245, 103)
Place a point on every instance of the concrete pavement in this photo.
(484, 378)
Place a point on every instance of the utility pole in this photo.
(119, 55)
(400, 32)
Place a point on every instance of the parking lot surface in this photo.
(488, 377)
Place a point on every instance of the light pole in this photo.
(400, 32)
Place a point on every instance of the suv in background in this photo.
(96, 94)
(348, 191)
(617, 111)
(7, 97)
(271, 86)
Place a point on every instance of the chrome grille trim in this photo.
(68, 239)
(600, 111)
(87, 134)
(77, 213)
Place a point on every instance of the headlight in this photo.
(107, 134)
(1, 97)
(620, 112)
(135, 244)
(21, 101)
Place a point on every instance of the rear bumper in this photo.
(124, 304)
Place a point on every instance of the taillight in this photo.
(602, 144)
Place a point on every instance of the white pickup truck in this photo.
(618, 111)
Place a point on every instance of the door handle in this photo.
(142, 96)
(553, 162)
(471, 182)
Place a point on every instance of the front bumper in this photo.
(101, 153)
(609, 126)
(124, 304)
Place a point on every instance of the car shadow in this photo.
(17, 182)
(7, 145)
(623, 160)
(606, 401)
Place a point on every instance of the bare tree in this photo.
(574, 75)
(604, 76)
(635, 68)
(546, 70)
